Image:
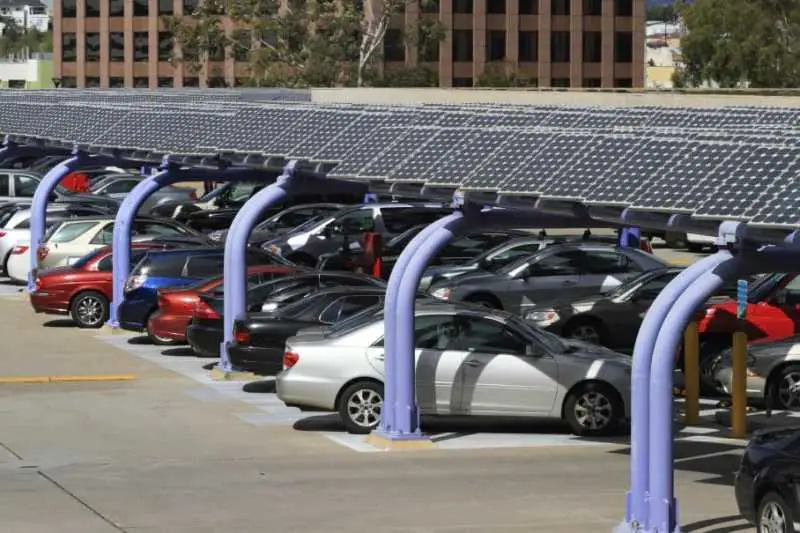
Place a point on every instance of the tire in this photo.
(587, 330)
(781, 395)
(485, 300)
(607, 410)
(357, 419)
(774, 515)
(158, 341)
(89, 310)
(5, 263)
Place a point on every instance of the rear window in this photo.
(70, 231)
(204, 266)
(164, 265)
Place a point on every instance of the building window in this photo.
(92, 8)
(496, 7)
(191, 82)
(592, 82)
(394, 49)
(462, 82)
(216, 52)
(165, 45)
(593, 8)
(559, 47)
(189, 6)
(623, 47)
(560, 7)
(496, 45)
(69, 82)
(92, 83)
(116, 83)
(592, 47)
(242, 82)
(141, 46)
(69, 9)
(16, 84)
(623, 8)
(141, 83)
(217, 82)
(165, 7)
(116, 46)
(69, 47)
(528, 7)
(624, 83)
(462, 6)
(116, 8)
(429, 6)
(529, 46)
(140, 8)
(560, 83)
(462, 45)
(165, 83)
(92, 47)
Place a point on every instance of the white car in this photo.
(469, 362)
(18, 264)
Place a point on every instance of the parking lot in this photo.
(173, 451)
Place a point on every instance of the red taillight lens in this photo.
(18, 250)
(37, 285)
(3, 233)
(41, 253)
(241, 336)
(203, 310)
(290, 359)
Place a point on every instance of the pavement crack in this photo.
(91, 509)
(12, 452)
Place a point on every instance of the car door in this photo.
(604, 270)
(551, 276)
(5, 186)
(24, 186)
(503, 372)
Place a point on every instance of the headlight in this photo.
(268, 307)
(543, 318)
(442, 293)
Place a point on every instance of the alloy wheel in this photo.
(90, 310)
(593, 410)
(773, 519)
(789, 390)
(364, 408)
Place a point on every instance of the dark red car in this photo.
(175, 306)
(83, 289)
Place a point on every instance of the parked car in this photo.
(19, 262)
(167, 325)
(307, 244)
(82, 290)
(205, 333)
(259, 338)
(22, 184)
(175, 268)
(283, 222)
(572, 270)
(766, 482)
(469, 362)
(118, 187)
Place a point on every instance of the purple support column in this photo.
(636, 505)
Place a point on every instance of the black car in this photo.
(205, 333)
(282, 222)
(766, 484)
(259, 338)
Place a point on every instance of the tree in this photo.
(291, 43)
(501, 75)
(664, 12)
(736, 43)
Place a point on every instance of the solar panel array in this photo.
(722, 163)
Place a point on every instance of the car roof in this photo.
(109, 218)
(350, 290)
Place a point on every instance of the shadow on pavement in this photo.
(183, 351)
(60, 323)
(262, 387)
(725, 524)
(140, 340)
(326, 422)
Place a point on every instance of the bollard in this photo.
(739, 386)
(691, 373)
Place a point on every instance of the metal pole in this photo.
(739, 386)
(691, 373)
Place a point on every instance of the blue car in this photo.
(174, 269)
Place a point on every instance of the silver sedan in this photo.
(469, 362)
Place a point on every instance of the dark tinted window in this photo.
(92, 8)
(140, 8)
(25, 186)
(204, 266)
(92, 47)
(496, 7)
(164, 46)
(592, 46)
(165, 83)
(652, 288)
(69, 47)
(346, 307)
(495, 45)
(607, 263)
(165, 7)
(69, 8)
(141, 46)
(513, 253)
(462, 45)
(528, 46)
(399, 220)
(593, 7)
(560, 7)
(116, 8)
(528, 7)
(559, 47)
(116, 48)
(462, 6)
(106, 264)
(141, 83)
(623, 47)
(4, 187)
(394, 47)
(566, 263)
(165, 265)
(156, 228)
(623, 8)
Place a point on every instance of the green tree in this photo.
(737, 43)
(664, 12)
(296, 43)
(501, 75)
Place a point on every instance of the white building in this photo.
(28, 14)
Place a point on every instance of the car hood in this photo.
(584, 350)
(466, 279)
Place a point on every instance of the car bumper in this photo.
(756, 385)
(296, 390)
(203, 340)
(745, 499)
(51, 303)
(172, 327)
(132, 314)
(265, 361)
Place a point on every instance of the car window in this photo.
(398, 220)
(4, 188)
(359, 221)
(106, 263)
(652, 288)
(70, 232)
(472, 245)
(204, 266)
(155, 228)
(598, 262)
(564, 263)
(105, 235)
(25, 186)
(347, 306)
(513, 253)
(24, 224)
(120, 186)
(473, 334)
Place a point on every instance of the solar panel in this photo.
(369, 149)
(359, 130)
(331, 125)
(425, 158)
(510, 156)
(455, 167)
(397, 153)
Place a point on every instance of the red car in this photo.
(83, 289)
(175, 306)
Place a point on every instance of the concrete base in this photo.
(233, 375)
(112, 330)
(389, 444)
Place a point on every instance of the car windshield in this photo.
(632, 285)
(6, 213)
(311, 223)
(367, 316)
(298, 307)
(274, 223)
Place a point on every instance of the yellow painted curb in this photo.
(400, 445)
(219, 375)
(63, 379)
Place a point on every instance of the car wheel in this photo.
(774, 515)
(361, 406)
(591, 331)
(786, 389)
(485, 300)
(89, 309)
(593, 409)
(159, 341)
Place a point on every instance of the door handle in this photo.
(473, 362)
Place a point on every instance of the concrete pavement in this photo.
(146, 456)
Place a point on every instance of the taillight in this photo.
(3, 234)
(37, 285)
(241, 336)
(204, 311)
(134, 282)
(21, 249)
(41, 253)
(290, 359)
